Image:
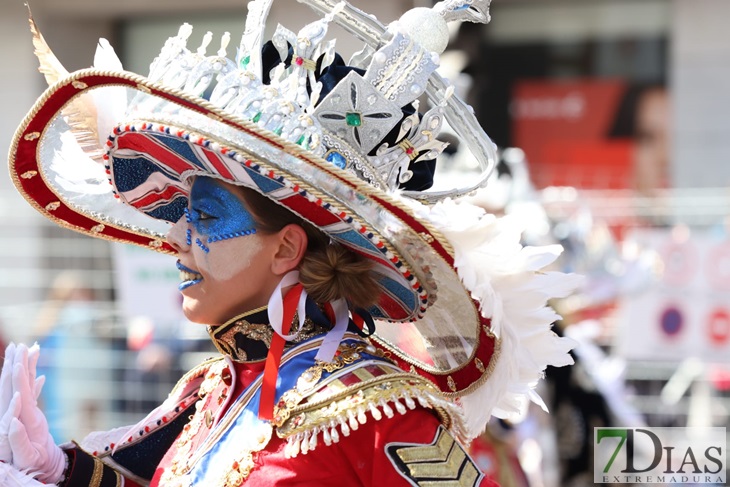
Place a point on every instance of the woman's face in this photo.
(225, 266)
(653, 141)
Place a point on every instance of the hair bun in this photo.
(328, 271)
(332, 272)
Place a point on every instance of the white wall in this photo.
(700, 79)
(19, 245)
(562, 20)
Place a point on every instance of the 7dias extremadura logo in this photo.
(659, 455)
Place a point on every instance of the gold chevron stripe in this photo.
(443, 463)
(468, 478)
(448, 469)
(436, 452)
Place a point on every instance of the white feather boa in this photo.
(507, 281)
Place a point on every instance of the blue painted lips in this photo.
(188, 277)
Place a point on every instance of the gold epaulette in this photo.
(338, 404)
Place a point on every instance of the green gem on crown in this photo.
(353, 119)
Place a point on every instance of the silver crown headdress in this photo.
(347, 126)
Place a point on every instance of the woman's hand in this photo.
(9, 405)
(25, 442)
(11, 477)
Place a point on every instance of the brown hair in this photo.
(328, 271)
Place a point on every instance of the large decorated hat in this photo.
(346, 147)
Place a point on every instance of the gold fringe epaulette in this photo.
(316, 412)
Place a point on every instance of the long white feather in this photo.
(81, 113)
(110, 103)
(49, 65)
(512, 289)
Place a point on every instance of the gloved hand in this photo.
(9, 407)
(12, 477)
(25, 441)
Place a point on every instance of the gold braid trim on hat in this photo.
(144, 84)
(20, 137)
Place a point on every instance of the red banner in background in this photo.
(562, 126)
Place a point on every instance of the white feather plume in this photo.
(110, 103)
(49, 65)
(91, 116)
(508, 282)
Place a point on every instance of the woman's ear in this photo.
(292, 245)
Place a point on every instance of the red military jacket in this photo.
(394, 435)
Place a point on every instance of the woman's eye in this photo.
(197, 215)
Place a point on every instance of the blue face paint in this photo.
(216, 213)
(200, 244)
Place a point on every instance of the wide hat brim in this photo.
(153, 153)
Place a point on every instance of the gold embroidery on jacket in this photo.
(439, 464)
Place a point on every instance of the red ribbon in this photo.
(329, 313)
(358, 320)
(276, 350)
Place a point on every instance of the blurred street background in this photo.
(613, 120)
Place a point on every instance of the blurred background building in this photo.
(618, 108)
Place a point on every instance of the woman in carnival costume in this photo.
(368, 329)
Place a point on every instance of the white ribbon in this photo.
(276, 315)
(276, 306)
(333, 338)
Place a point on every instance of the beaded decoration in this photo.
(218, 238)
(149, 426)
(200, 244)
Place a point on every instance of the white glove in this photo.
(9, 476)
(9, 407)
(25, 441)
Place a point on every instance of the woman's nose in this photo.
(179, 235)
